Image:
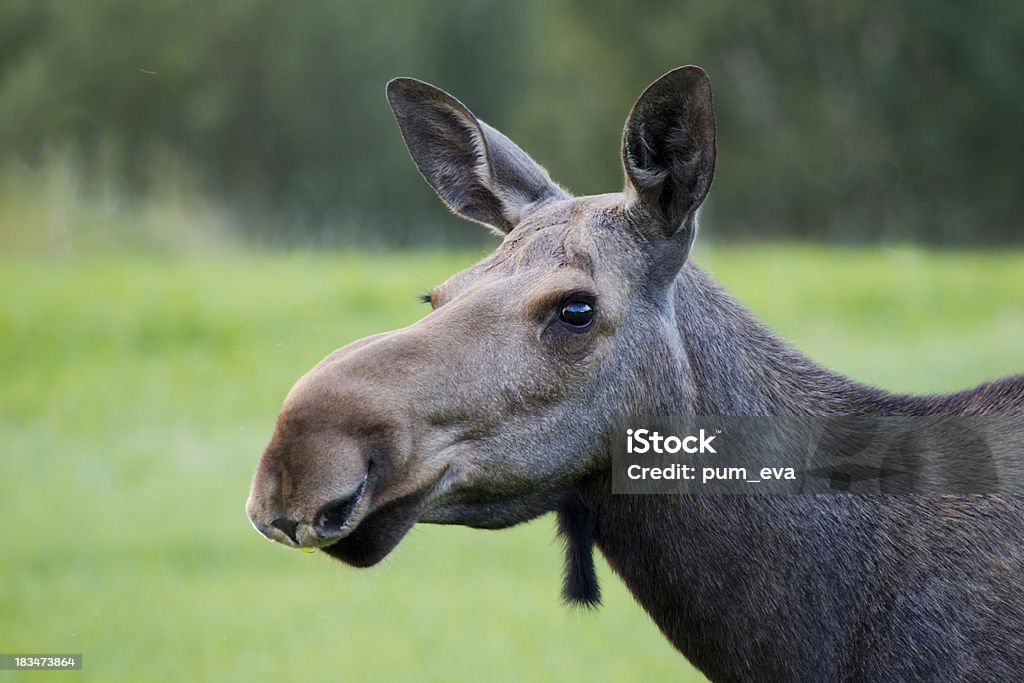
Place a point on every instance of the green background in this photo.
(851, 121)
(138, 393)
(172, 171)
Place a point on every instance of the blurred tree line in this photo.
(846, 120)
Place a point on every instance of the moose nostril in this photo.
(288, 526)
(333, 517)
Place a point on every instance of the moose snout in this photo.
(332, 519)
(329, 523)
(339, 440)
(316, 479)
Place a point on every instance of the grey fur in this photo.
(477, 171)
(489, 412)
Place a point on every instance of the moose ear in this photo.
(668, 151)
(478, 172)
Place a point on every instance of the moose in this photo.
(500, 405)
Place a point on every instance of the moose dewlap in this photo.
(501, 404)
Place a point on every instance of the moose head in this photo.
(489, 410)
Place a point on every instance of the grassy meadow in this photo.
(138, 392)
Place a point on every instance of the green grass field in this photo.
(138, 393)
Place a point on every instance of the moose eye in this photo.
(577, 314)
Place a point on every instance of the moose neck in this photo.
(767, 587)
(709, 568)
(740, 367)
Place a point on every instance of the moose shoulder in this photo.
(500, 405)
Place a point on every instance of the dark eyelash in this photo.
(424, 298)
